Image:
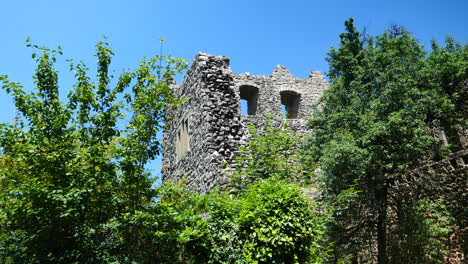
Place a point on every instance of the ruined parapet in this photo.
(282, 88)
(207, 129)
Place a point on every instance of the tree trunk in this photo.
(381, 200)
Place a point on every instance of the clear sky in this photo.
(257, 34)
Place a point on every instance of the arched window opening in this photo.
(249, 98)
(290, 104)
(182, 141)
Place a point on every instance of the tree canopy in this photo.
(68, 168)
(374, 123)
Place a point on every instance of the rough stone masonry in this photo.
(205, 132)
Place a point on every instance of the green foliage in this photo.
(270, 222)
(446, 75)
(371, 123)
(422, 235)
(372, 114)
(224, 242)
(272, 152)
(169, 230)
(446, 72)
(279, 225)
(72, 171)
(374, 122)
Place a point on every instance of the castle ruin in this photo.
(207, 129)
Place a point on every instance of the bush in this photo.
(279, 225)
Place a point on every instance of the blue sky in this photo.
(256, 35)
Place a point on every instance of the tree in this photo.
(69, 170)
(372, 124)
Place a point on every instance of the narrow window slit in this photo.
(182, 141)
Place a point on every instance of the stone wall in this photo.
(216, 126)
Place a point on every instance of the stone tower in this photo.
(207, 129)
